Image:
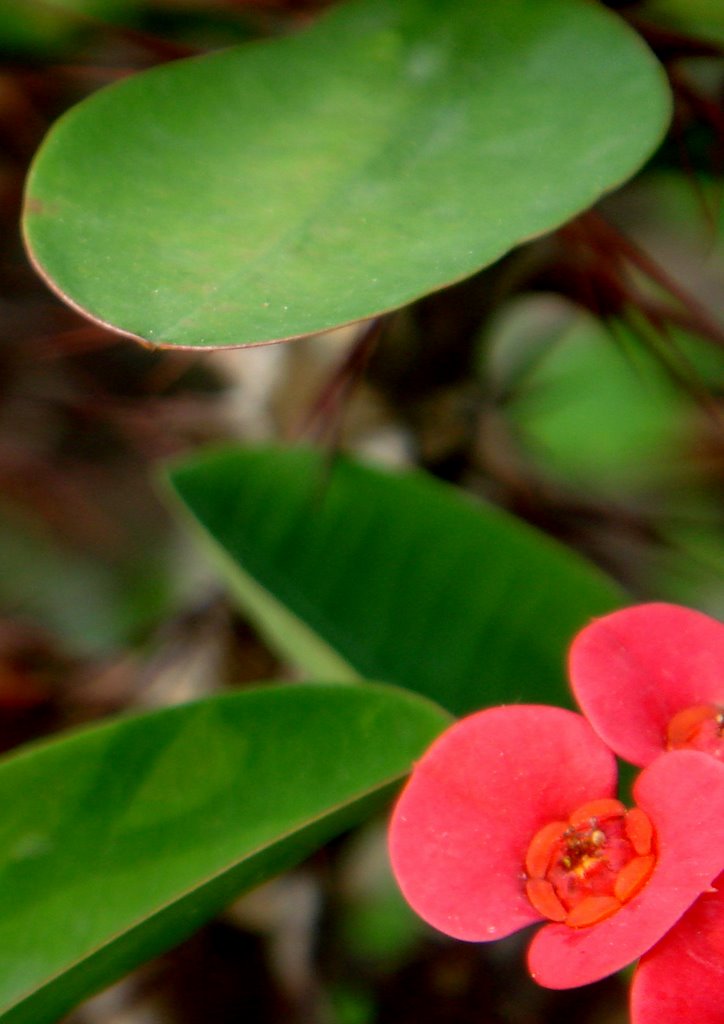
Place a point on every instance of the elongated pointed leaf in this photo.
(119, 841)
(394, 577)
(283, 188)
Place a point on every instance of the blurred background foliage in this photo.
(576, 383)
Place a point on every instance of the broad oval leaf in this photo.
(119, 841)
(283, 188)
(356, 572)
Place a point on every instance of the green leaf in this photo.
(635, 428)
(703, 17)
(44, 28)
(119, 841)
(396, 577)
(283, 188)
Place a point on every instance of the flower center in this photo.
(583, 870)
(698, 728)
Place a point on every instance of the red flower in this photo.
(682, 977)
(510, 818)
(651, 678)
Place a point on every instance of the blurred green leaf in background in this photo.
(393, 577)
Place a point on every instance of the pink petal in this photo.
(682, 978)
(683, 795)
(633, 670)
(462, 826)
